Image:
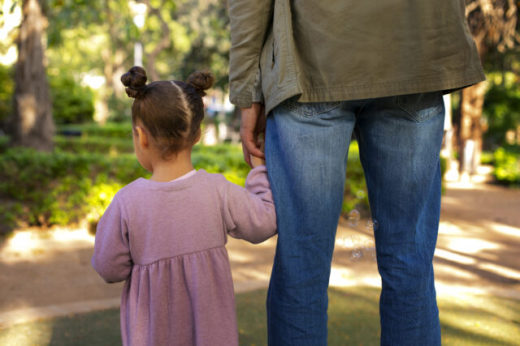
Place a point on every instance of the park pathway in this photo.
(48, 274)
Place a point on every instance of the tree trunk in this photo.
(469, 128)
(32, 118)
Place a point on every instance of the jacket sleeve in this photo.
(249, 22)
(249, 212)
(111, 257)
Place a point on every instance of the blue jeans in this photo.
(306, 149)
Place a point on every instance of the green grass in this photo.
(353, 320)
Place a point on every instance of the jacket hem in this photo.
(376, 90)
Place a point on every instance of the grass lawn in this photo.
(353, 320)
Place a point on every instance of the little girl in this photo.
(166, 236)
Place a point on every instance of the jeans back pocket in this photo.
(423, 106)
(308, 109)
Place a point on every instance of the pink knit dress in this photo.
(167, 240)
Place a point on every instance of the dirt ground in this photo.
(45, 274)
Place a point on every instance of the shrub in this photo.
(63, 188)
(4, 143)
(100, 145)
(108, 130)
(501, 107)
(507, 165)
(71, 102)
(6, 94)
(68, 187)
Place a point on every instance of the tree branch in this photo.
(163, 43)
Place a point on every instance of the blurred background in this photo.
(65, 125)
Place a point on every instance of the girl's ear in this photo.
(141, 137)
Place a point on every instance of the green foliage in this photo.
(487, 158)
(507, 165)
(68, 187)
(226, 159)
(101, 145)
(63, 188)
(355, 195)
(6, 94)
(444, 165)
(71, 102)
(501, 107)
(107, 131)
(4, 143)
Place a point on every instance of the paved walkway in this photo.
(48, 274)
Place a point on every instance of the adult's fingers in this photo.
(247, 155)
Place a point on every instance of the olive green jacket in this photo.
(340, 50)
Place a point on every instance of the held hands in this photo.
(251, 126)
(256, 161)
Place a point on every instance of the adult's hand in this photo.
(251, 126)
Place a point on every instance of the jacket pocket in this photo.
(421, 107)
(308, 109)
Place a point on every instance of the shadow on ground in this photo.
(353, 320)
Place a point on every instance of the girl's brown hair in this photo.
(170, 110)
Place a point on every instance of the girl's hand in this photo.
(257, 161)
(251, 126)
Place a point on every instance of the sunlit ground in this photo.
(353, 320)
(476, 266)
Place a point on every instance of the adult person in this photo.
(321, 70)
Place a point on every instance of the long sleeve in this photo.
(249, 213)
(111, 257)
(249, 22)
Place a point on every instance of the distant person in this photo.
(166, 236)
(320, 71)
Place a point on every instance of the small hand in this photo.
(251, 126)
(256, 161)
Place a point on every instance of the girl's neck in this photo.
(174, 168)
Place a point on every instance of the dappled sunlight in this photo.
(28, 334)
(466, 317)
(454, 257)
(501, 270)
(505, 230)
(252, 274)
(24, 245)
(345, 277)
(447, 269)
(458, 325)
(471, 246)
(241, 257)
(22, 315)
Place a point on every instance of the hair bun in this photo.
(135, 81)
(201, 80)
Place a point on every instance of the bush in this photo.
(109, 130)
(71, 102)
(355, 195)
(501, 108)
(63, 188)
(6, 94)
(69, 187)
(4, 143)
(100, 145)
(507, 165)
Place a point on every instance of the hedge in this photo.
(69, 187)
(106, 131)
(507, 165)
